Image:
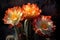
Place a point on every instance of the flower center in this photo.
(44, 26)
(14, 17)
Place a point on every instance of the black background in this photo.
(49, 7)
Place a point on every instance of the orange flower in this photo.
(31, 10)
(13, 15)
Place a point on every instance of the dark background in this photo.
(49, 7)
